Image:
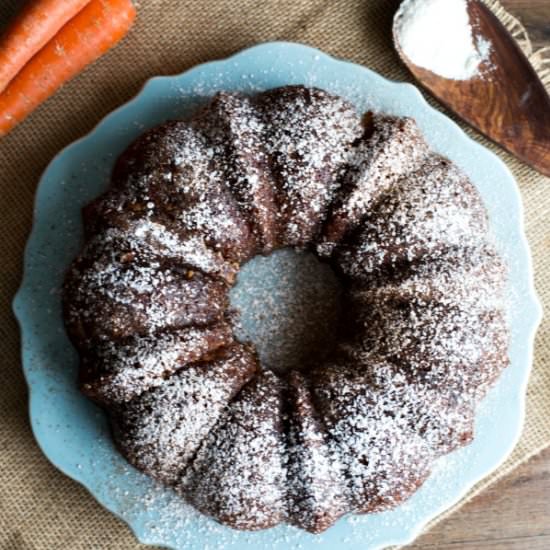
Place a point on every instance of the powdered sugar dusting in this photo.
(316, 483)
(309, 137)
(438, 35)
(119, 371)
(160, 430)
(238, 475)
(289, 304)
(423, 336)
(389, 148)
(437, 200)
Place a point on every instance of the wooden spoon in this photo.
(508, 103)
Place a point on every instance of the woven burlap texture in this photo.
(39, 507)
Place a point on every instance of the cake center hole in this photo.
(289, 307)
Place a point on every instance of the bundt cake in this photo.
(422, 336)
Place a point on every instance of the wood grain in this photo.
(509, 106)
(514, 514)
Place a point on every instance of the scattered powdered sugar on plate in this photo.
(438, 35)
(289, 304)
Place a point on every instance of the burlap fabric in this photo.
(39, 507)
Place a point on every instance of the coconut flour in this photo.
(437, 35)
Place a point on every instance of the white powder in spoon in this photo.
(437, 35)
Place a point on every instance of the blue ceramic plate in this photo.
(74, 434)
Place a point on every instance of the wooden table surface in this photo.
(514, 514)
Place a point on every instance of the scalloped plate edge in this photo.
(535, 316)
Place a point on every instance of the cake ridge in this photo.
(237, 128)
(382, 142)
(315, 482)
(309, 140)
(115, 372)
(162, 439)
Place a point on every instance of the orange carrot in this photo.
(94, 30)
(30, 31)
